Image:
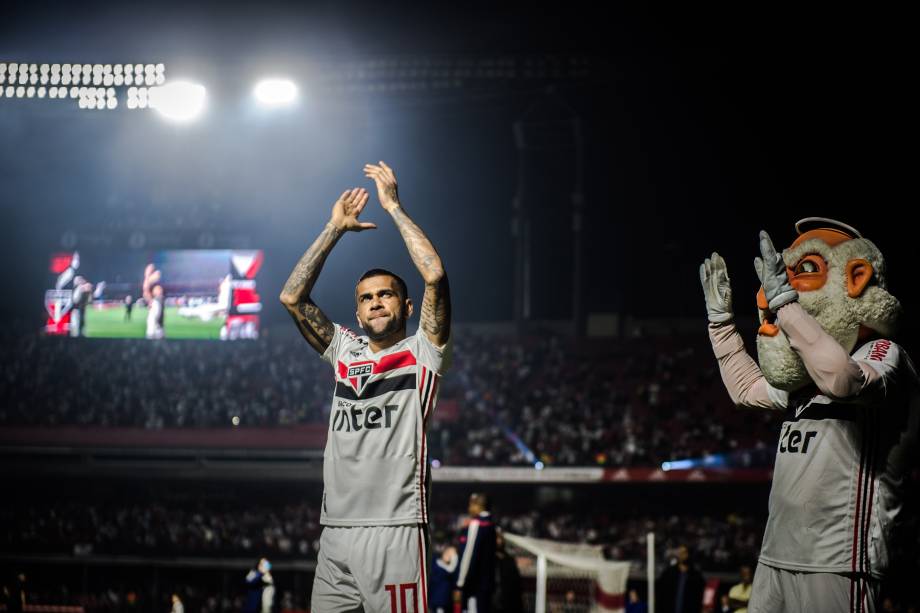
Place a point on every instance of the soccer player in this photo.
(82, 295)
(373, 548)
(156, 303)
(851, 400)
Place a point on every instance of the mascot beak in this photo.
(767, 327)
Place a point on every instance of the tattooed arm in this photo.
(310, 319)
(435, 319)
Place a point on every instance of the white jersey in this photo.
(838, 482)
(375, 466)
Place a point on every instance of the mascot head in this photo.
(840, 279)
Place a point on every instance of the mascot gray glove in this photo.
(771, 270)
(716, 289)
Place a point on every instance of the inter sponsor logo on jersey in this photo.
(355, 419)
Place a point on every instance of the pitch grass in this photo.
(110, 323)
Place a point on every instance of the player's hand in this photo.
(151, 276)
(385, 180)
(771, 270)
(346, 209)
(717, 289)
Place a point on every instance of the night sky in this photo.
(700, 128)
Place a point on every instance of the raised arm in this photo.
(295, 296)
(151, 278)
(435, 318)
(743, 379)
(835, 373)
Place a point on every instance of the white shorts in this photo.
(374, 569)
(776, 590)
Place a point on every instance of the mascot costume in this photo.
(851, 402)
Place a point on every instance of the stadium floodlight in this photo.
(178, 100)
(275, 92)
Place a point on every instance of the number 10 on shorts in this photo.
(403, 589)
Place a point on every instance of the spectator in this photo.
(680, 587)
(442, 579)
(740, 593)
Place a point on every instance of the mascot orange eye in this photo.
(806, 266)
(810, 273)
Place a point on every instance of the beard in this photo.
(781, 366)
(840, 316)
(393, 325)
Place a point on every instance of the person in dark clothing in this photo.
(17, 594)
(634, 604)
(680, 587)
(258, 580)
(441, 582)
(476, 575)
(508, 590)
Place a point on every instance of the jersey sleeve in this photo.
(432, 356)
(778, 397)
(880, 360)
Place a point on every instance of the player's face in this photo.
(381, 310)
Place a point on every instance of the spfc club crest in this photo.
(58, 303)
(358, 373)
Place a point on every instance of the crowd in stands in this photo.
(630, 402)
(292, 530)
(154, 385)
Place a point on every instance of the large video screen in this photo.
(176, 294)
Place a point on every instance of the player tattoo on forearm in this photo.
(435, 316)
(435, 319)
(391, 192)
(421, 250)
(312, 322)
(305, 273)
(314, 325)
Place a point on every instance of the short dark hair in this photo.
(481, 499)
(382, 272)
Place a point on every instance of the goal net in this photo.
(562, 577)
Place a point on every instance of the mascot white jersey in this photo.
(825, 356)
